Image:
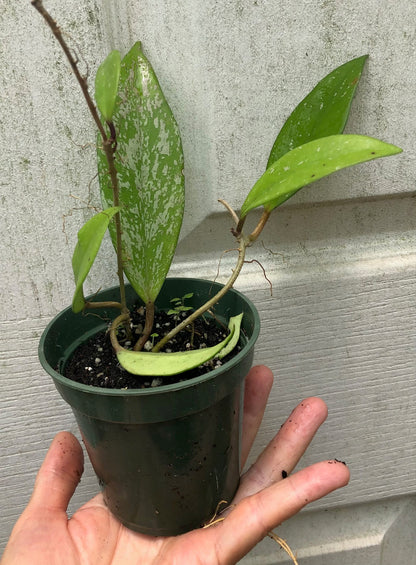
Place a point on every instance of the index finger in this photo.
(59, 474)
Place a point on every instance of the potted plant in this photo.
(161, 420)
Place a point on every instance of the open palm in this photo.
(43, 534)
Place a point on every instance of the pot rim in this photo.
(163, 389)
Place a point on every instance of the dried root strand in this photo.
(284, 545)
(216, 519)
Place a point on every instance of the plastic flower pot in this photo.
(165, 456)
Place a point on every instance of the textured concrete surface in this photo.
(341, 256)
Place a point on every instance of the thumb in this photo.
(59, 474)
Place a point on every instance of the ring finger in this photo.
(283, 453)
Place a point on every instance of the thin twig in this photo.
(230, 210)
(108, 143)
(212, 301)
(73, 62)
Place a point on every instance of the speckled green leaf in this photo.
(311, 162)
(90, 237)
(149, 160)
(106, 84)
(323, 112)
(165, 364)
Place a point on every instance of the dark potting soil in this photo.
(95, 363)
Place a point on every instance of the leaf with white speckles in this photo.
(311, 162)
(323, 112)
(149, 161)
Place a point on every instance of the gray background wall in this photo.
(341, 256)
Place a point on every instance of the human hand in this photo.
(43, 535)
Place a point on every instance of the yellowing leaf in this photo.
(166, 364)
(90, 237)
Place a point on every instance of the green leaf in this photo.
(166, 364)
(311, 162)
(149, 160)
(90, 237)
(234, 327)
(323, 112)
(106, 84)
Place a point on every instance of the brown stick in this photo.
(108, 143)
(74, 64)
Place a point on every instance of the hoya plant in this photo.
(140, 165)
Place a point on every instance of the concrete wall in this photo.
(341, 323)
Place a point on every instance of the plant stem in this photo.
(73, 62)
(240, 225)
(150, 317)
(113, 328)
(108, 304)
(109, 153)
(230, 210)
(108, 142)
(259, 228)
(243, 243)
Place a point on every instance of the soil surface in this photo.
(95, 363)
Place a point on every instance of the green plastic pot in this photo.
(165, 456)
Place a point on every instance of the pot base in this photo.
(167, 478)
